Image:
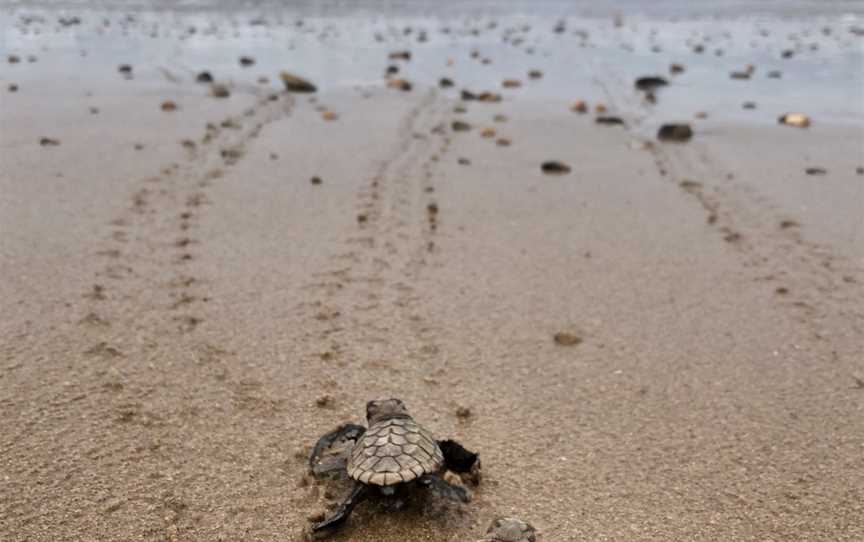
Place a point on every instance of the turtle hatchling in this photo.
(394, 453)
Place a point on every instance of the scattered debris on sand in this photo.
(13, 59)
(294, 83)
(168, 106)
(579, 106)
(218, 90)
(49, 141)
(535, 74)
(204, 77)
(609, 120)
(511, 83)
(400, 55)
(554, 167)
(460, 126)
(507, 529)
(565, 338)
(815, 170)
(798, 120)
(675, 132)
(445, 82)
(12, 87)
(401, 84)
(247, 61)
(125, 69)
(315, 180)
(488, 133)
(463, 412)
(329, 115)
(676, 69)
(743, 74)
(503, 142)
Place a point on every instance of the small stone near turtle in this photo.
(798, 120)
(463, 412)
(168, 106)
(535, 74)
(508, 529)
(816, 171)
(219, 90)
(246, 61)
(316, 516)
(567, 339)
(392, 70)
(675, 132)
(49, 141)
(460, 126)
(361, 219)
(445, 82)
(323, 401)
(554, 167)
(294, 83)
(204, 77)
(579, 106)
(315, 180)
(609, 120)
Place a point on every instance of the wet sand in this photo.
(171, 312)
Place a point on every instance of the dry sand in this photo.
(169, 315)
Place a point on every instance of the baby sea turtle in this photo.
(394, 452)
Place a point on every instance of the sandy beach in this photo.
(183, 311)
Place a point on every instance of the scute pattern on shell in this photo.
(394, 451)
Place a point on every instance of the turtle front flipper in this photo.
(358, 493)
(348, 431)
(441, 487)
(456, 457)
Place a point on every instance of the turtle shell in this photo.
(394, 451)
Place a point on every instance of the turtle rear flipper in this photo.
(443, 488)
(346, 432)
(358, 493)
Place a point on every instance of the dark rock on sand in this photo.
(651, 82)
(816, 171)
(247, 61)
(168, 106)
(204, 77)
(775, 74)
(48, 141)
(125, 69)
(402, 84)
(12, 87)
(13, 59)
(675, 69)
(535, 74)
(460, 126)
(675, 132)
(445, 82)
(554, 167)
(294, 83)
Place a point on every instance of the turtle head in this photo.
(383, 409)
